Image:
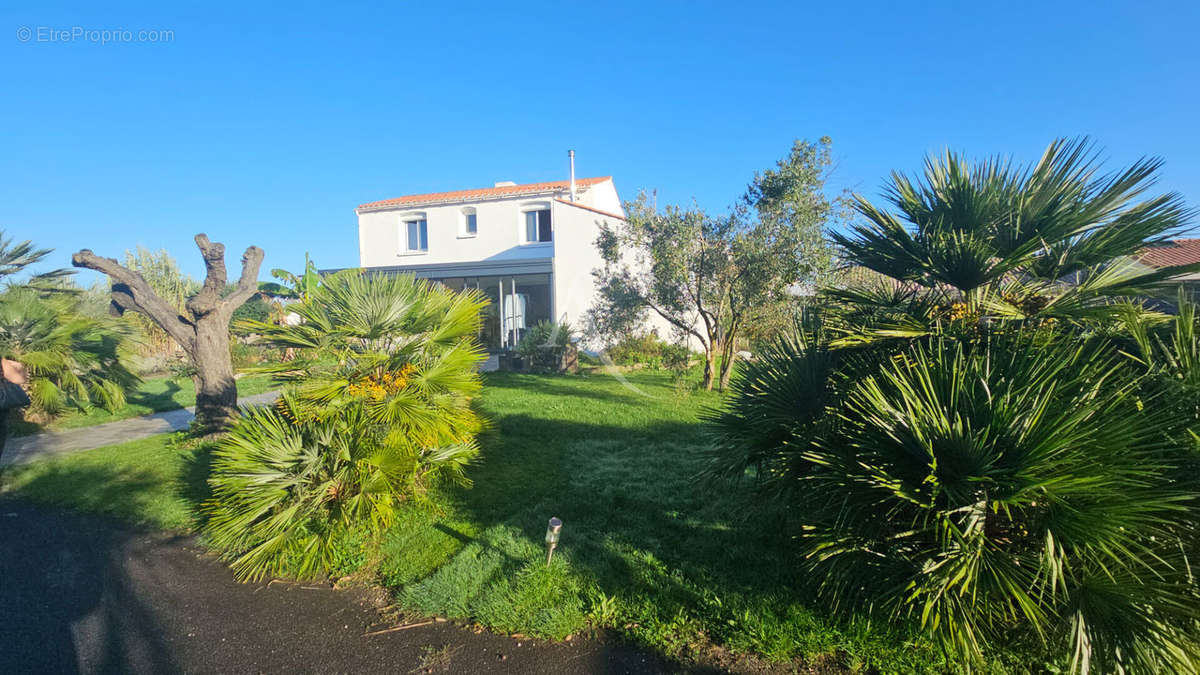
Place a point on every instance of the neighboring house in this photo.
(1171, 254)
(529, 248)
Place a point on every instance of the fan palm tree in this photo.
(989, 240)
(955, 445)
(17, 258)
(1023, 492)
(379, 410)
(73, 359)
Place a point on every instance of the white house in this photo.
(530, 248)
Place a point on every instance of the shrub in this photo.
(245, 355)
(649, 350)
(676, 358)
(960, 449)
(378, 411)
(544, 346)
(1013, 491)
(74, 359)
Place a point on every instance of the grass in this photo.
(644, 551)
(153, 482)
(435, 659)
(157, 394)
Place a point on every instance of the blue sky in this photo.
(268, 125)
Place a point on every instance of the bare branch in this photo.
(208, 299)
(248, 283)
(131, 292)
(675, 322)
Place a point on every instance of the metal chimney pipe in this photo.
(571, 155)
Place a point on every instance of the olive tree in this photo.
(202, 329)
(706, 275)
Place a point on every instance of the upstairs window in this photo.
(470, 223)
(537, 226)
(416, 236)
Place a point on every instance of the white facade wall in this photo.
(500, 224)
(575, 256)
(500, 231)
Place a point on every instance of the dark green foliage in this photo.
(1018, 489)
(957, 448)
(254, 309)
(544, 346)
(379, 412)
(647, 349)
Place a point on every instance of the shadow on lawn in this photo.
(125, 493)
(573, 386)
(635, 518)
(158, 401)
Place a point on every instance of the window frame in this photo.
(464, 220)
(406, 221)
(523, 224)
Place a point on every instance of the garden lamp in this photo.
(552, 532)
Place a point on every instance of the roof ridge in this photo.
(590, 208)
(479, 193)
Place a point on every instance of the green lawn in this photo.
(644, 551)
(155, 482)
(153, 395)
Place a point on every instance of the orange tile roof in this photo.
(1170, 254)
(483, 193)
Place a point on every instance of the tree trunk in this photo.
(204, 333)
(708, 368)
(216, 388)
(728, 355)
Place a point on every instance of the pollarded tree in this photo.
(202, 330)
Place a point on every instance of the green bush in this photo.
(378, 411)
(1009, 492)
(245, 355)
(649, 350)
(958, 447)
(75, 359)
(544, 346)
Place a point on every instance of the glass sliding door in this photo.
(516, 303)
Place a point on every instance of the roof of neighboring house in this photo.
(592, 209)
(1170, 254)
(483, 193)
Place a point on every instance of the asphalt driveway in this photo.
(81, 594)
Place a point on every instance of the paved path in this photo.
(53, 443)
(80, 594)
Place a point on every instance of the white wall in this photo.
(501, 223)
(575, 256)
